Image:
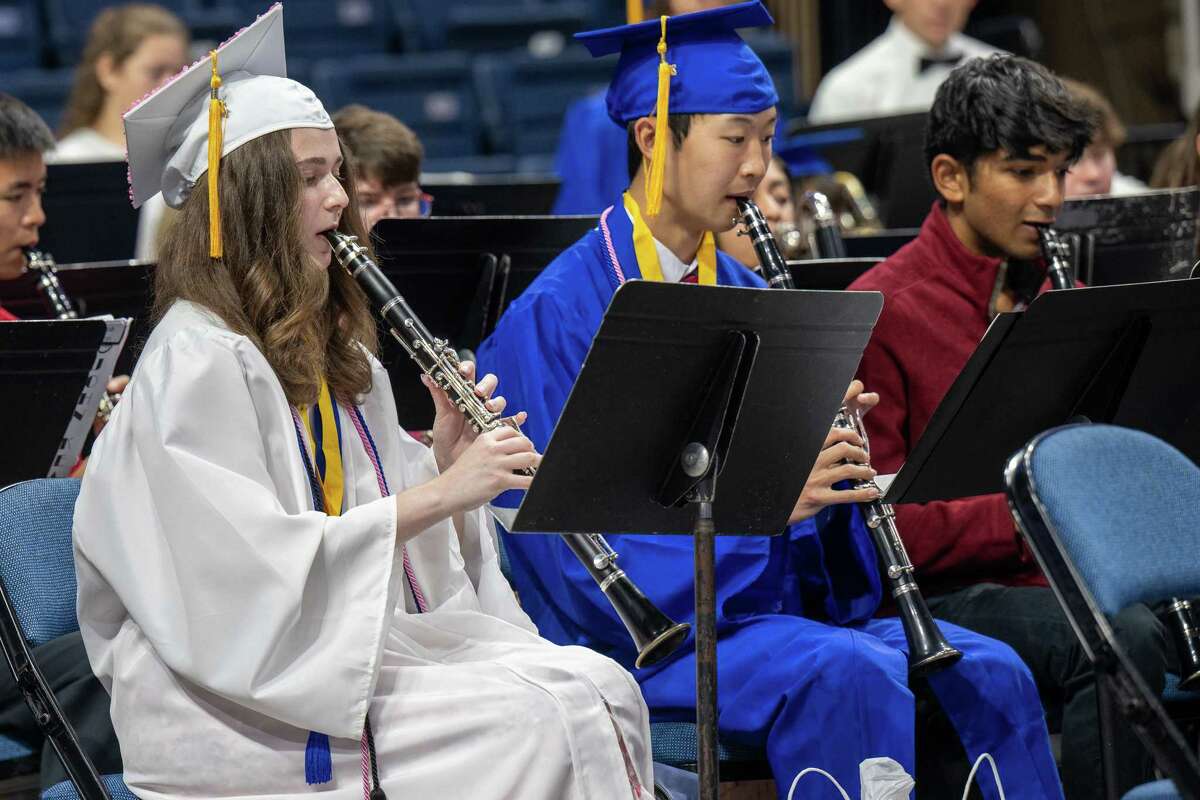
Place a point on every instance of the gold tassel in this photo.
(216, 136)
(634, 13)
(658, 157)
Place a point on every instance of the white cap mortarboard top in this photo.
(167, 132)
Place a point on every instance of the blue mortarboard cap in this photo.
(715, 71)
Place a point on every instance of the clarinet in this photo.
(42, 264)
(1179, 612)
(928, 649)
(825, 241)
(654, 634)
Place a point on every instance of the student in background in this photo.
(1179, 163)
(131, 50)
(1096, 170)
(388, 157)
(899, 72)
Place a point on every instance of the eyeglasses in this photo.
(423, 201)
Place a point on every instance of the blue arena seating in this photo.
(20, 34)
(432, 93)
(45, 91)
(524, 97)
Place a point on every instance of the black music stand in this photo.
(458, 274)
(120, 288)
(1123, 355)
(888, 156)
(88, 214)
(1149, 236)
(44, 369)
(877, 244)
(710, 366)
(492, 194)
(829, 273)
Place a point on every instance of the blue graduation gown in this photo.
(811, 693)
(591, 158)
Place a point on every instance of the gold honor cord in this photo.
(647, 253)
(332, 481)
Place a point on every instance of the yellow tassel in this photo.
(633, 11)
(658, 157)
(216, 136)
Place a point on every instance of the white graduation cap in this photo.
(239, 91)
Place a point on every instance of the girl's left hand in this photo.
(451, 433)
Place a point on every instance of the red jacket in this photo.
(6, 316)
(935, 310)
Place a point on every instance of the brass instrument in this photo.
(928, 649)
(1179, 612)
(42, 263)
(654, 634)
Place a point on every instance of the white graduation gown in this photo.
(227, 618)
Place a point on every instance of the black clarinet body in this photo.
(825, 241)
(42, 264)
(654, 634)
(928, 649)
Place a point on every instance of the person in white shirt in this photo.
(900, 71)
(283, 592)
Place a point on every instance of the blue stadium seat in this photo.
(530, 94)
(68, 22)
(43, 90)
(493, 25)
(322, 29)
(20, 34)
(432, 93)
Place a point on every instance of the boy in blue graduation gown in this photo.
(805, 672)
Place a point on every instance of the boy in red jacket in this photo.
(1002, 134)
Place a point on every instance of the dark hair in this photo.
(678, 124)
(385, 148)
(1005, 103)
(22, 131)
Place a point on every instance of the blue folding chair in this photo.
(1110, 515)
(37, 604)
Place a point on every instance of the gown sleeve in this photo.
(181, 532)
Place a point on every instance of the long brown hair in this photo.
(1179, 165)
(307, 322)
(117, 31)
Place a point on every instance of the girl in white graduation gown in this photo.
(251, 641)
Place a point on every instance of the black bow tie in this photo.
(943, 61)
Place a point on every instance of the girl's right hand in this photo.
(489, 467)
